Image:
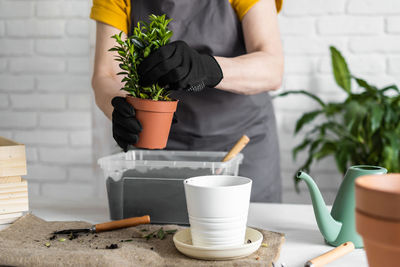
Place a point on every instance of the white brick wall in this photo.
(394, 65)
(46, 50)
(349, 25)
(371, 7)
(35, 28)
(10, 9)
(16, 47)
(16, 83)
(45, 93)
(393, 25)
(66, 119)
(37, 65)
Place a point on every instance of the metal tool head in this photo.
(72, 231)
(275, 265)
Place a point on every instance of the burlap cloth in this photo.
(24, 244)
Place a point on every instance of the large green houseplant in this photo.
(154, 109)
(363, 129)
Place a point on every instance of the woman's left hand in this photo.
(180, 67)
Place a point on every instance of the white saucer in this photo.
(183, 242)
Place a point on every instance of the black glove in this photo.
(181, 67)
(125, 126)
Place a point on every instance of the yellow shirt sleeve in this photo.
(117, 12)
(243, 6)
(112, 12)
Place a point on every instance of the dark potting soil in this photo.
(164, 199)
(112, 246)
(73, 236)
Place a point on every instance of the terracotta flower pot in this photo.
(379, 195)
(381, 240)
(378, 218)
(156, 118)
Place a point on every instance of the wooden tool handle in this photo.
(331, 255)
(101, 227)
(236, 148)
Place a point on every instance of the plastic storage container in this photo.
(143, 182)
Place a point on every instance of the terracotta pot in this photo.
(156, 118)
(379, 196)
(381, 240)
(378, 217)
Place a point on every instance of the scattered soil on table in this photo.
(26, 243)
(112, 246)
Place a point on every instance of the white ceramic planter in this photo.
(218, 207)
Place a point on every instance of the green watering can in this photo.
(339, 226)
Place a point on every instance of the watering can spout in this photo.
(329, 227)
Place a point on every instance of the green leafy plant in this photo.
(160, 234)
(146, 38)
(363, 129)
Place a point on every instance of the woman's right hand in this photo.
(125, 126)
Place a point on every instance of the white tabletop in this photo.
(303, 239)
(297, 222)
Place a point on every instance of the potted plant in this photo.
(363, 129)
(154, 109)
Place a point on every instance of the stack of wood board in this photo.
(13, 189)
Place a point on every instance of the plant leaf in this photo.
(333, 108)
(367, 86)
(122, 73)
(306, 118)
(137, 43)
(354, 111)
(391, 151)
(161, 234)
(390, 87)
(341, 158)
(326, 149)
(144, 96)
(340, 70)
(300, 147)
(170, 232)
(302, 92)
(376, 117)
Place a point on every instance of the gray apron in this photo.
(213, 120)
